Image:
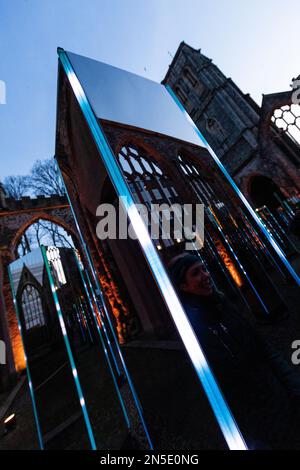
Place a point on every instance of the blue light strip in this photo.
(219, 406)
(237, 190)
(84, 316)
(69, 352)
(102, 340)
(79, 321)
(35, 413)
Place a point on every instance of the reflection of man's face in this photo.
(197, 281)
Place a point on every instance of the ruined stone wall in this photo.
(15, 218)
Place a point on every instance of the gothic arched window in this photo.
(32, 307)
(149, 184)
(287, 119)
(197, 181)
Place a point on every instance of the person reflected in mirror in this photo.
(260, 387)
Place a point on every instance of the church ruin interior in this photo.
(113, 359)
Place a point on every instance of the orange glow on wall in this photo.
(17, 345)
(118, 307)
(215, 216)
(229, 263)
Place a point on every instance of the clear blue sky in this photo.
(255, 42)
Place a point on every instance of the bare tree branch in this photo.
(16, 186)
(45, 178)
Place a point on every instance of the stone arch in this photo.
(277, 147)
(193, 158)
(33, 219)
(164, 157)
(131, 139)
(14, 221)
(270, 103)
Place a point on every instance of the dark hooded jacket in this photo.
(259, 386)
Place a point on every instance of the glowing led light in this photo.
(10, 423)
(9, 418)
(63, 326)
(221, 410)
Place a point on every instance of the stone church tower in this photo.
(262, 155)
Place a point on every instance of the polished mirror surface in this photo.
(59, 418)
(99, 378)
(120, 96)
(204, 334)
